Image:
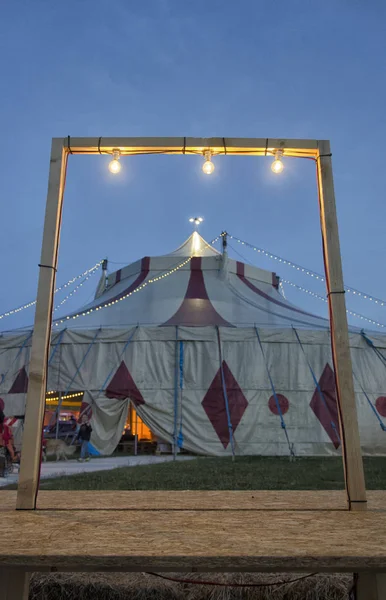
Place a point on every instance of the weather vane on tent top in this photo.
(196, 220)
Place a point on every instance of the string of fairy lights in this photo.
(54, 399)
(124, 297)
(91, 271)
(304, 270)
(319, 297)
(76, 289)
(86, 274)
(129, 294)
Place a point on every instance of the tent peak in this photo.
(195, 245)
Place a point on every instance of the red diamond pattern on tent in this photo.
(215, 408)
(327, 412)
(20, 385)
(122, 386)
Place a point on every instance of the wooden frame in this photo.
(317, 150)
(313, 149)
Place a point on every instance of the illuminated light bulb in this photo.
(277, 165)
(115, 166)
(196, 220)
(208, 166)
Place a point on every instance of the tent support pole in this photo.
(34, 413)
(58, 415)
(351, 450)
(136, 434)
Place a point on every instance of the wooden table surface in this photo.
(185, 531)
(191, 500)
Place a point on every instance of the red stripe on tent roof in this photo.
(241, 276)
(196, 309)
(118, 276)
(145, 268)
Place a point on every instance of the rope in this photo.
(381, 423)
(56, 345)
(321, 395)
(283, 425)
(372, 345)
(110, 373)
(57, 412)
(3, 376)
(180, 438)
(119, 359)
(224, 389)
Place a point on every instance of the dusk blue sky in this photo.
(300, 69)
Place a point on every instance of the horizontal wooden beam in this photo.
(231, 540)
(188, 500)
(189, 145)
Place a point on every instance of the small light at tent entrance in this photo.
(277, 165)
(208, 166)
(115, 166)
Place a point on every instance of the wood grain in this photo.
(186, 540)
(348, 419)
(34, 412)
(194, 500)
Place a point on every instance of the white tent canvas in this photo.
(214, 359)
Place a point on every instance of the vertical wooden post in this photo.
(351, 450)
(34, 414)
(14, 584)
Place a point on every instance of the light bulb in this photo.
(115, 166)
(196, 220)
(208, 166)
(277, 165)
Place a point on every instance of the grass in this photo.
(245, 473)
(144, 586)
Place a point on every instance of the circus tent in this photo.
(215, 360)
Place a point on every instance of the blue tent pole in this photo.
(319, 389)
(280, 413)
(180, 437)
(175, 397)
